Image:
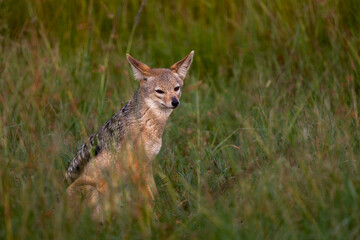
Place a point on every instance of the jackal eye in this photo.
(176, 89)
(159, 91)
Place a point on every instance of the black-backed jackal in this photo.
(121, 152)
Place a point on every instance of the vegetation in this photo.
(265, 144)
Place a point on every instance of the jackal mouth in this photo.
(167, 106)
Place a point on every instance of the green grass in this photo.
(265, 144)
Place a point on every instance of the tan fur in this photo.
(129, 161)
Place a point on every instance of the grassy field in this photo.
(265, 144)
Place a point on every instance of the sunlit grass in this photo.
(265, 144)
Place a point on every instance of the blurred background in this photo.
(265, 144)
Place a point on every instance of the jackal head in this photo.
(161, 87)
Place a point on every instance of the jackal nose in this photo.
(174, 102)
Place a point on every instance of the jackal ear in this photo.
(141, 70)
(182, 66)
